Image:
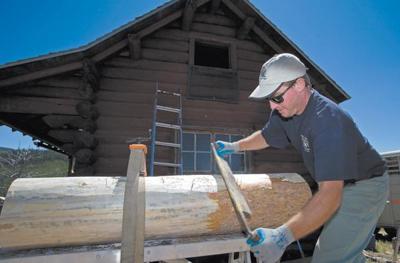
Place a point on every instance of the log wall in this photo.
(123, 100)
(127, 88)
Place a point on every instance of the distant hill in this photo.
(29, 163)
(5, 149)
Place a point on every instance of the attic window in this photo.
(211, 55)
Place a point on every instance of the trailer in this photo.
(390, 218)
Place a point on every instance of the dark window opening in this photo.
(211, 55)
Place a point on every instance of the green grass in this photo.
(384, 247)
(383, 252)
(29, 163)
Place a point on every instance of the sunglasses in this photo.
(279, 98)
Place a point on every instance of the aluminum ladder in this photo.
(175, 128)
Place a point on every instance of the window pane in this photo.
(222, 137)
(237, 162)
(235, 138)
(188, 161)
(188, 141)
(203, 142)
(203, 162)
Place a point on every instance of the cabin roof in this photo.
(56, 63)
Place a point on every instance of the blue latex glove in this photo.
(226, 148)
(272, 243)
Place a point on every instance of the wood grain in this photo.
(50, 212)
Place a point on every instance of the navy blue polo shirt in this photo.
(327, 138)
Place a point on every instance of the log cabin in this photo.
(91, 102)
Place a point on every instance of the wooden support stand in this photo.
(133, 217)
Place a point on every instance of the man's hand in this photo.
(226, 148)
(272, 243)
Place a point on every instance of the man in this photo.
(351, 177)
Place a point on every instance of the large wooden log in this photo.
(50, 212)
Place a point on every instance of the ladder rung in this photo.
(168, 144)
(165, 108)
(168, 93)
(167, 125)
(167, 164)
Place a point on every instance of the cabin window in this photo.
(196, 152)
(210, 55)
(213, 71)
(197, 156)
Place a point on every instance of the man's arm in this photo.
(273, 242)
(318, 210)
(253, 142)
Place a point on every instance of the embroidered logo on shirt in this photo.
(306, 144)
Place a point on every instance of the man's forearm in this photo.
(318, 210)
(253, 142)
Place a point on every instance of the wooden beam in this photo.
(58, 121)
(134, 44)
(45, 91)
(36, 105)
(41, 74)
(65, 136)
(153, 251)
(111, 50)
(88, 210)
(188, 14)
(245, 28)
(267, 39)
(215, 4)
(148, 30)
(69, 121)
(255, 28)
(159, 24)
(133, 216)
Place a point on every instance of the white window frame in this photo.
(195, 151)
(213, 168)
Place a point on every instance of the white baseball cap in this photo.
(280, 68)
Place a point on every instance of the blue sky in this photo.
(356, 42)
